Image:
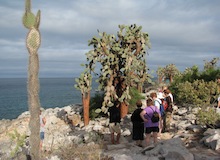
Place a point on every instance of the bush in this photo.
(135, 96)
(95, 103)
(198, 93)
(208, 117)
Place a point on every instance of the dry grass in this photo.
(82, 152)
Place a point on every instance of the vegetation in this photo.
(96, 103)
(135, 96)
(91, 152)
(33, 41)
(195, 87)
(168, 72)
(123, 65)
(208, 117)
(19, 141)
(199, 89)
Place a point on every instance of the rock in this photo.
(59, 133)
(170, 149)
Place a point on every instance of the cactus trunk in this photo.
(34, 105)
(86, 100)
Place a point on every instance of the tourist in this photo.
(42, 128)
(138, 125)
(164, 88)
(158, 103)
(168, 109)
(114, 122)
(150, 127)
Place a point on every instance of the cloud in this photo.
(183, 32)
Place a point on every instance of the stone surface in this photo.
(64, 127)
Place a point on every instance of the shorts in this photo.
(115, 127)
(148, 130)
(41, 135)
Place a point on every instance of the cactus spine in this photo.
(33, 41)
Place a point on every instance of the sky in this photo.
(183, 32)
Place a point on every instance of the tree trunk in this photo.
(34, 105)
(160, 79)
(140, 87)
(86, 100)
(171, 79)
(124, 109)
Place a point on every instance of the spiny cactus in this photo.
(33, 41)
(122, 60)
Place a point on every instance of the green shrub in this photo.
(19, 141)
(135, 96)
(198, 93)
(208, 117)
(95, 103)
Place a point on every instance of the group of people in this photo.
(142, 118)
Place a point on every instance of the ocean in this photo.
(54, 92)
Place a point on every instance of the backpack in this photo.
(162, 110)
(155, 118)
(165, 104)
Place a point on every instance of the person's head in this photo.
(149, 102)
(153, 95)
(139, 104)
(166, 91)
(164, 88)
(116, 103)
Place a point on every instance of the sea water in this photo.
(54, 92)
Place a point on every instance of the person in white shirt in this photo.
(157, 103)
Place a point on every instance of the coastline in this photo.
(61, 134)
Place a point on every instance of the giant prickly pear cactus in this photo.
(33, 41)
(84, 85)
(123, 64)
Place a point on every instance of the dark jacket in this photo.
(135, 117)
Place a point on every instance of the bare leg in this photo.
(41, 144)
(160, 127)
(148, 139)
(155, 137)
(118, 137)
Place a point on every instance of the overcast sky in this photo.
(182, 32)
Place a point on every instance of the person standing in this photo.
(158, 103)
(114, 122)
(150, 126)
(138, 125)
(168, 109)
(42, 128)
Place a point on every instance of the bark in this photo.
(124, 109)
(86, 100)
(171, 79)
(140, 87)
(34, 106)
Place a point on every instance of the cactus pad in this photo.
(33, 41)
(29, 20)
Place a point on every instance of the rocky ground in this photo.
(65, 129)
